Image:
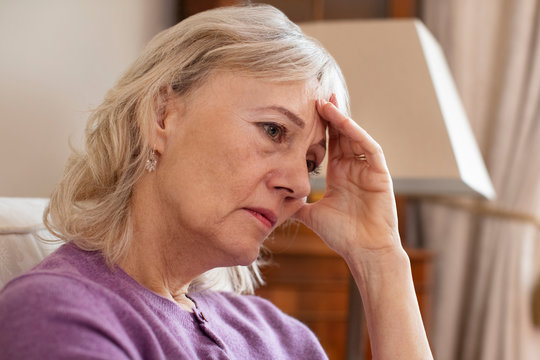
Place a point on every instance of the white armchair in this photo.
(21, 227)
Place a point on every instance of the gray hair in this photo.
(91, 205)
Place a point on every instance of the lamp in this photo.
(402, 93)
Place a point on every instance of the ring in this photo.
(361, 157)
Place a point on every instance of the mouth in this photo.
(265, 216)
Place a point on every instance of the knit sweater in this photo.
(73, 306)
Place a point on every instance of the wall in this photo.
(59, 57)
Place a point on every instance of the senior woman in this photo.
(202, 148)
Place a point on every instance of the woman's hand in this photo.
(357, 218)
(357, 214)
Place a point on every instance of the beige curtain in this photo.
(488, 253)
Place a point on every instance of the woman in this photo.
(203, 147)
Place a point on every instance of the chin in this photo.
(246, 257)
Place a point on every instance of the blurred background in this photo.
(476, 262)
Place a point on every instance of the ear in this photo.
(166, 113)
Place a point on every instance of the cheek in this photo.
(213, 171)
(227, 171)
(244, 164)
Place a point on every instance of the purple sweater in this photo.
(71, 306)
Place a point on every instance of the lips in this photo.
(265, 216)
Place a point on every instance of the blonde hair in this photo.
(91, 205)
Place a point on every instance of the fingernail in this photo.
(333, 99)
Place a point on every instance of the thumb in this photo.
(304, 215)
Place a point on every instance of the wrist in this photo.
(373, 269)
(384, 279)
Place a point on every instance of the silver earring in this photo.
(151, 162)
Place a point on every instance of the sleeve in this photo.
(41, 317)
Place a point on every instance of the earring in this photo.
(151, 162)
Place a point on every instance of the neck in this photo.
(150, 269)
(152, 260)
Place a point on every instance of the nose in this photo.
(292, 179)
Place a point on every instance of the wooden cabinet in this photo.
(310, 282)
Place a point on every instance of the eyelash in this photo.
(316, 169)
(282, 131)
(280, 137)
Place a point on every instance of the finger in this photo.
(333, 100)
(304, 215)
(333, 131)
(347, 126)
(338, 146)
(355, 136)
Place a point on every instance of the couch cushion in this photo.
(21, 226)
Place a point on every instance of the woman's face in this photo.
(234, 161)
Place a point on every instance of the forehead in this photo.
(235, 92)
(229, 82)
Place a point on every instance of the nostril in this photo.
(293, 199)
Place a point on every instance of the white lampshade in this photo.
(403, 94)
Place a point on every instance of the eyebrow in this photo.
(292, 116)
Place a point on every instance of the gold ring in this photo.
(361, 157)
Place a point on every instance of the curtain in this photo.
(488, 253)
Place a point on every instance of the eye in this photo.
(312, 167)
(276, 132)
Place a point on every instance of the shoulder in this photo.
(72, 261)
(45, 307)
(35, 299)
(65, 278)
(40, 290)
